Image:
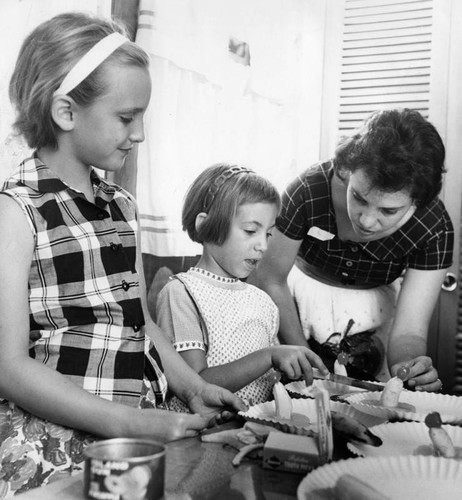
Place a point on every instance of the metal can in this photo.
(124, 469)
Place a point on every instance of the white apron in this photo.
(325, 309)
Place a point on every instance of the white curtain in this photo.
(235, 81)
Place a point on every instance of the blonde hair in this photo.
(46, 57)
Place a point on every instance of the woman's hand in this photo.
(408, 339)
(423, 376)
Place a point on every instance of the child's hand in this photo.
(296, 362)
(211, 405)
(168, 426)
(215, 403)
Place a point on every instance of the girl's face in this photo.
(246, 243)
(375, 214)
(105, 132)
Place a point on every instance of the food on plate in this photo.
(391, 392)
(283, 403)
(441, 441)
(244, 451)
(245, 439)
(349, 428)
(339, 368)
(349, 487)
(442, 444)
(393, 388)
(250, 433)
(390, 396)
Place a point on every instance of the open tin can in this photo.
(124, 469)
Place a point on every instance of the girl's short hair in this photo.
(219, 191)
(398, 149)
(46, 57)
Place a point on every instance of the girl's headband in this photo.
(220, 180)
(90, 61)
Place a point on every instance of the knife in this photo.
(354, 382)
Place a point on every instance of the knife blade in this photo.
(354, 382)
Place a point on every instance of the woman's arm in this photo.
(408, 337)
(43, 391)
(271, 276)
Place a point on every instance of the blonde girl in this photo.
(76, 355)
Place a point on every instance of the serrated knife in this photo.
(353, 382)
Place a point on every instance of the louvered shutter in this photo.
(386, 58)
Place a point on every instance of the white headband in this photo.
(90, 61)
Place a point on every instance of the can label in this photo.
(122, 480)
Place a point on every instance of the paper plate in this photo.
(405, 438)
(350, 411)
(265, 413)
(449, 407)
(299, 388)
(397, 478)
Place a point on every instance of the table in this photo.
(198, 471)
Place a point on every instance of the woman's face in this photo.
(375, 214)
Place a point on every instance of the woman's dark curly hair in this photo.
(399, 150)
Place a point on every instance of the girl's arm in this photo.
(271, 276)
(294, 361)
(204, 398)
(408, 337)
(177, 311)
(43, 391)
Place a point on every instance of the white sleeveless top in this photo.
(234, 319)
